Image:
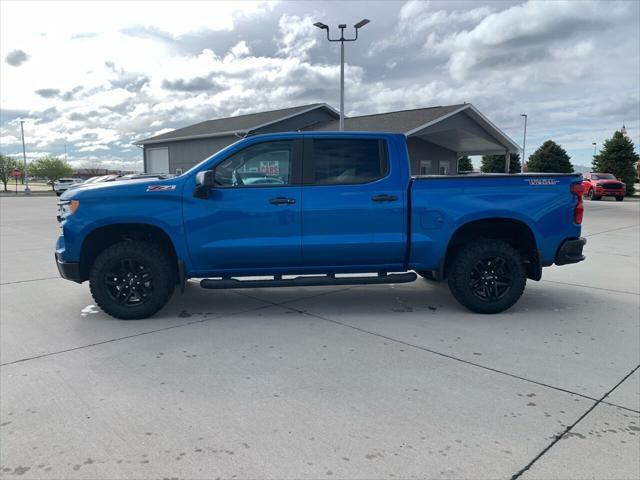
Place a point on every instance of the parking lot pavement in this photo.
(364, 382)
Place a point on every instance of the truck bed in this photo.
(441, 204)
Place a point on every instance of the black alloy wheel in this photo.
(129, 282)
(491, 279)
(133, 279)
(487, 275)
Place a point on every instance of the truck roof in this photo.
(350, 134)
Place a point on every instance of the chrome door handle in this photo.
(282, 201)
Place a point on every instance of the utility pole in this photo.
(342, 39)
(27, 191)
(524, 142)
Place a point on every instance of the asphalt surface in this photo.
(367, 382)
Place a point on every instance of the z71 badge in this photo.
(160, 188)
(542, 181)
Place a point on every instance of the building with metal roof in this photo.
(436, 136)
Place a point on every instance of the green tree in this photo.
(550, 158)
(51, 168)
(495, 163)
(7, 165)
(465, 165)
(618, 156)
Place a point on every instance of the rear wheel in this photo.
(619, 199)
(487, 276)
(132, 280)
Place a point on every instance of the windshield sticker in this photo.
(542, 181)
(160, 188)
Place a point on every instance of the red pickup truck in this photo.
(598, 185)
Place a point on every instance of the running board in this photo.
(313, 281)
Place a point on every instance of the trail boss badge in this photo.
(542, 181)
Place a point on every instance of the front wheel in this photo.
(619, 199)
(487, 276)
(427, 275)
(132, 280)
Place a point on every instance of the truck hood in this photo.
(121, 188)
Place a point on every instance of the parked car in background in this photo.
(598, 185)
(62, 184)
(262, 181)
(93, 180)
(137, 176)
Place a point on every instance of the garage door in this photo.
(158, 160)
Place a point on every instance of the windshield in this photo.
(603, 176)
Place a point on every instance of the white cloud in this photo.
(112, 73)
(240, 49)
(297, 35)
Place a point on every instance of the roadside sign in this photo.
(16, 173)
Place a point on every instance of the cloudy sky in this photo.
(100, 75)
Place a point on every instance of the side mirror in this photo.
(205, 180)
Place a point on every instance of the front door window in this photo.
(263, 164)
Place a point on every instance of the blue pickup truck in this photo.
(317, 209)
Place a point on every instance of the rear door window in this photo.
(345, 161)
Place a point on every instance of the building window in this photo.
(425, 167)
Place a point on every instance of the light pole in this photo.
(524, 142)
(342, 39)
(27, 191)
(594, 148)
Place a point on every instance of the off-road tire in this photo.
(153, 258)
(427, 275)
(460, 276)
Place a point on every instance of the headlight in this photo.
(66, 208)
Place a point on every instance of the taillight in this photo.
(578, 212)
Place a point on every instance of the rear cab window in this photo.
(344, 161)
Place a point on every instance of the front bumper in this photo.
(571, 251)
(610, 192)
(68, 270)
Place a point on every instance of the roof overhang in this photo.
(236, 133)
(492, 141)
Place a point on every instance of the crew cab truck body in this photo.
(332, 203)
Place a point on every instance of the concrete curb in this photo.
(33, 194)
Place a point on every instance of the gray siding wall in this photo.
(185, 154)
(439, 156)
